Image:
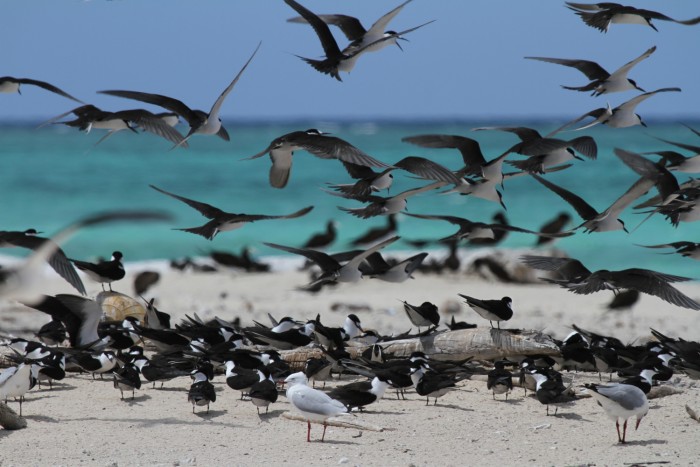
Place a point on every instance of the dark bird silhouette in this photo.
(573, 275)
(8, 84)
(601, 15)
(200, 122)
(222, 221)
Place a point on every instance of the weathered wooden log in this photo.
(478, 343)
(9, 419)
(341, 423)
(117, 306)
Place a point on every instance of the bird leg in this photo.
(308, 431)
(624, 431)
(324, 431)
(192, 408)
(427, 400)
(617, 425)
(207, 408)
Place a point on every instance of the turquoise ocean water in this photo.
(53, 175)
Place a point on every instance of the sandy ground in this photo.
(84, 422)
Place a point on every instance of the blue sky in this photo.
(467, 64)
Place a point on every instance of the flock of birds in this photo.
(198, 349)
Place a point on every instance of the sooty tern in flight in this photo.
(8, 85)
(200, 122)
(573, 275)
(337, 60)
(622, 116)
(316, 142)
(602, 82)
(602, 15)
(222, 221)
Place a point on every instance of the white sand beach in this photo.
(84, 422)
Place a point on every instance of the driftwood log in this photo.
(345, 422)
(478, 343)
(9, 419)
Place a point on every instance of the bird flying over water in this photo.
(200, 122)
(602, 82)
(316, 142)
(222, 221)
(9, 84)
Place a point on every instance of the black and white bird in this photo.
(683, 248)
(89, 117)
(396, 271)
(544, 152)
(312, 404)
(128, 377)
(16, 381)
(9, 84)
(21, 282)
(425, 314)
(356, 32)
(332, 270)
(52, 333)
(264, 392)
(601, 15)
(492, 310)
(222, 221)
(370, 181)
(200, 122)
(473, 158)
(606, 220)
(384, 206)
(430, 383)
(154, 318)
(602, 82)
(80, 316)
(499, 380)
(474, 230)
(104, 272)
(359, 394)
(553, 226)
(337, 60)
(317, 143)
(620, 402)
(201, 391)
(622, 116)
(678, 162)
(158, 370)
(58, 260)
(571, 274)
(96, 363)
(240, 379)
(549, 388)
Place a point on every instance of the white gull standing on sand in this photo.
(620, 401)
(312, 404)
